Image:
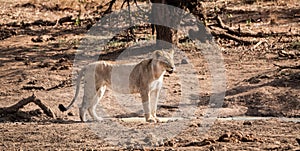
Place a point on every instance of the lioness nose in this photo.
(173, 68)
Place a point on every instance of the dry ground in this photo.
(37, 56)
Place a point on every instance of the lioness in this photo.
(145, 78)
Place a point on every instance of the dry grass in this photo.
(74, 4)
(277, 2)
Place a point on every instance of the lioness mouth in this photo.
(170, 71)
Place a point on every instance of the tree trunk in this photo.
(165, 36)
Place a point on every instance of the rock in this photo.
(212, 148)
(298, 140)
(61, 60)
(21, 58)
(36, 112)
(247, 123)
(177, 84)
(200, 143)
(53, 68)
(151, 140)
(32, 82)
(184, 61)
(46, 64)
(38, 39)
(238, 135)
(224, 137)
(248, 138)
(70, 114)
(194, 125)
(253, 80)
(64, 67)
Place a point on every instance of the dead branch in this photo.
(64, 83)
(239, 32)
(228, 33)
(15, 108)
(123, 3)
(222, 25)
(287, 54)
(64, 19)
(130, 29)
(32, 87)
(169, 107)
(225, 35)
(236, 32)
(287, 67)
(48, 111)
(109, 9)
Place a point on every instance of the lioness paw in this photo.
(157, 120)
(151, 120)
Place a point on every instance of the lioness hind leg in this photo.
(92, 108)
(82, 113)
(84, 108)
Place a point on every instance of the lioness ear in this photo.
(157, 54)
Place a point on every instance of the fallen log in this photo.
(15, 108)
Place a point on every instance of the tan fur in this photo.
(145, 78)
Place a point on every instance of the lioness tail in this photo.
(80, 75)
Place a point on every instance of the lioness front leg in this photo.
(146, 107)
(154, 102)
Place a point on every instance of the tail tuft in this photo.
(62, 108)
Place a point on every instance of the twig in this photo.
(130, 20)
(169, 107)
(123, 3)
(257, 44)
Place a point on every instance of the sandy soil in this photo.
(37, 56)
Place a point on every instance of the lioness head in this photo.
(165, 59)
